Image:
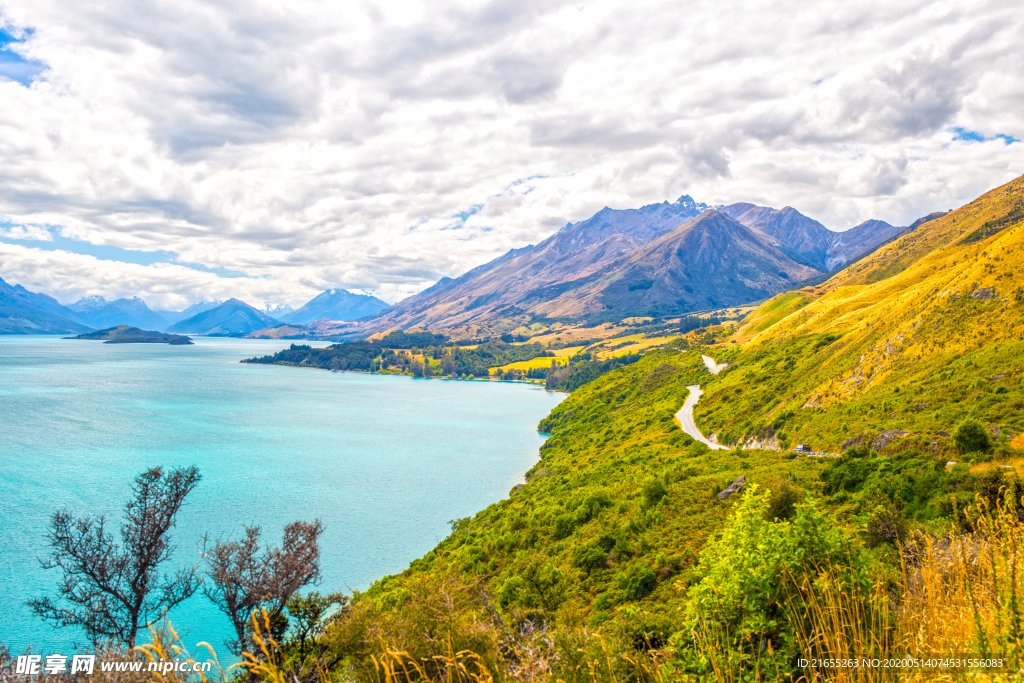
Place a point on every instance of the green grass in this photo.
(806, 389)
(586, 536)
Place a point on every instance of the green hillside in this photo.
(939, 340)
(618, 560)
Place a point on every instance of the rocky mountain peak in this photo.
(90, 301)
(686, 201)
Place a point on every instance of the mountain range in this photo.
(233, 317)
(25, 312)
(660, 259)
(335, 304)
(174, 316)
(97, 312)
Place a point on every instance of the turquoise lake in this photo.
(383, 461)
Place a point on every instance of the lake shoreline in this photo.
(385, 464)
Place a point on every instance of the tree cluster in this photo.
(113, 588)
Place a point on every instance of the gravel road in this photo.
(685, 416)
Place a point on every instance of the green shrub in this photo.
(565, 524)
(751, 571)
(639, 582)
(782, 503)
(886, 526)
(593, 555)
(970, 437)
(653, 491)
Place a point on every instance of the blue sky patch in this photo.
(463, 215)
(12, 65)
(109, 253)
(968, 135)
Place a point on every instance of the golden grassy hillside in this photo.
(940, 308)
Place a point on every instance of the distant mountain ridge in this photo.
(335, 304)
(595, 269)
(708, 262)
(25, 312)
(583, 271)
(97, 312)
(175, 316)
(233, 317)
(278, 311)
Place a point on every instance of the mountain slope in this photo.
(335, 304)
(806, 240)
(233, 317)
(924, 331)
(558, 278)
(579, 251)
(25, 312)
(97, 312)
(801, 238)
(858, 240)
(708, 262)
(195, 309)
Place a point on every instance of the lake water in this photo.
(383, 461)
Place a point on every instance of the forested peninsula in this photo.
(125, 334)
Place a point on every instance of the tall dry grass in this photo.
(957, 595)
(954, 597)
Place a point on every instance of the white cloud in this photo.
(69, 277)
(312, 145)
(26, 232)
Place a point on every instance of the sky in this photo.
(184, 151)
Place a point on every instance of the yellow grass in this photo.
(524, 365)
(879, 302)
(1014, 464)
(621, 346)
(571, 334)
(957, 596)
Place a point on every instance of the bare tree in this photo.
(245, 580)
(116, 589)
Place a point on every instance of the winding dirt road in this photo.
(713, 367)
(685, 414)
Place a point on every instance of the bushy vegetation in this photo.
(617, 561)
(688, 323)
(583, 369)
(606, 535)
(346, 356)
(738, 614)
(409, 340)
(428, 361)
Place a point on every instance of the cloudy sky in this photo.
(183, 150)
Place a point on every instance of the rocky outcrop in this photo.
(887, 437)
(732, 489)
(984, 293)
(770, 443)
(860, 439)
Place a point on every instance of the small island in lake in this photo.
(125, 334)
